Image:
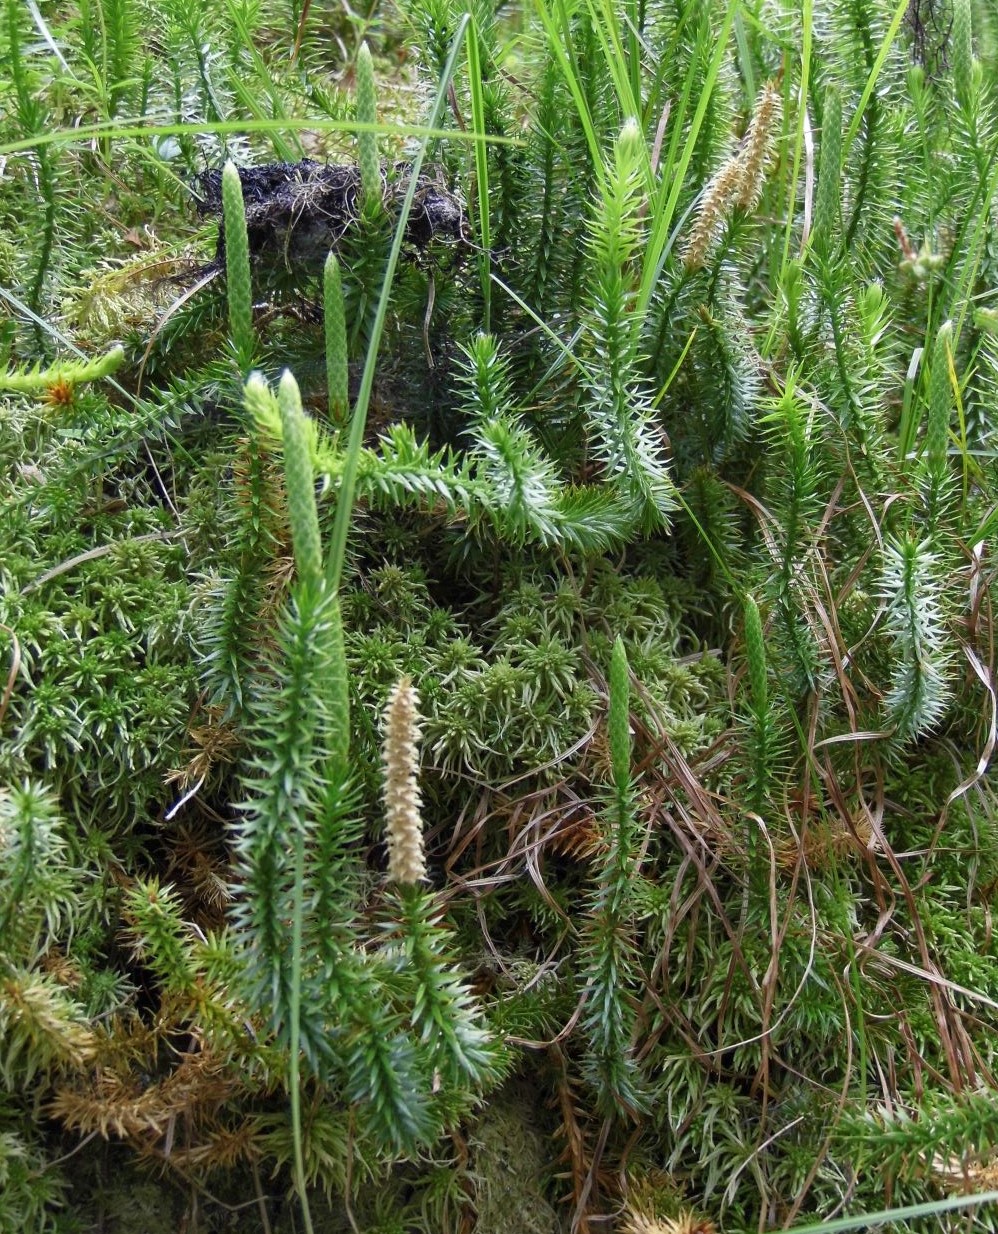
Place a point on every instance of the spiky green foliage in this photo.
(300, 482)
(761, 738)
(828, 200)
(505, 484)
(280, 804)
(919, 690)
(685, 411)
(444, 1015)
(793, 510)
(618, 412)
(298, 848)
(36, 877)
(230, 643)
(612, 965)
(30, 1191)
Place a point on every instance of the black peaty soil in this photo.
(297, 212)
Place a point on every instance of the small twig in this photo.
(261, 1199)
(455, 108)
(808, 179)
(300, 34)
(91, 554)
(656, 150)
(579, 1218)
(15, 668)
(431, 295)
(53, 1165)
(179, 805)
(177, 304)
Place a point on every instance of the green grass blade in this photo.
(676, 175)
(348, 484)
(481, 174)
(953, 1204)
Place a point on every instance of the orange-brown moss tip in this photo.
(758, 147)
(404, 825)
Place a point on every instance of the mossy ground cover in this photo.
(608, 525)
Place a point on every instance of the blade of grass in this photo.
(566, 62)
(953, 1204)
(348, 483)
(874, 77)
(114, 129)
(807, 21)
(481, 174)
(673, 172)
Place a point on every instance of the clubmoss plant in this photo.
(662, 475)
(761, 737)
(444, 1016)
(828, 198)
(613, 961)
(334, 317)
(618, 412)
(237, 268)
(367, 139)
(920, 690)
(936, 476)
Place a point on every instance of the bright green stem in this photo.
(937, 427)
(940, 399)
(620, 719)
(337, 374)
(338, 692)
(367, 140)
(298, 451)
(755, 648)
(237, 267)
(300, 482)
(760, 727)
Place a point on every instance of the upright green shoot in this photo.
(619, 414)
(367, 137)
(237, 269)
(612, 963)
(348, 481)
(482, 199)
(334, 318)
(936, 475)
(760, 738)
